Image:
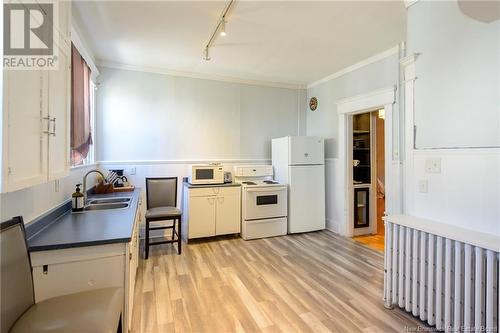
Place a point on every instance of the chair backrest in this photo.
(161, 192)
(16, 280)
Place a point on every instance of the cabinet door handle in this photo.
(47, 131)
(130, 256)
(53, 120)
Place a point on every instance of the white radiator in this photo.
(448, 283)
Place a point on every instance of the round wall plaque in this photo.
(313, 103)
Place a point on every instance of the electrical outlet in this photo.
(56, 185)
(433, 165)
(133, 171)
(423, 186)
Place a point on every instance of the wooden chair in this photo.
(161, 201)
(96, 310)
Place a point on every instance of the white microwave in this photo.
(206, 174)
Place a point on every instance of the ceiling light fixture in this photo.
(223, 28)
(206, 55)
(219, 29)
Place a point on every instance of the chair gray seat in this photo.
(96, 311)
(158, 212)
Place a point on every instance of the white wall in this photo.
(457, 91)
(37, 200)
(152, 117)
(146, 116)
(324, 122)
(467, 191)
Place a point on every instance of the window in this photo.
(82, 111)
(90, 159)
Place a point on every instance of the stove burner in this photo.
(249, 183)
(270, 182)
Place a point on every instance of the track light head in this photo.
(206, 55)
(223, 28)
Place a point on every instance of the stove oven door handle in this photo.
(273, 189)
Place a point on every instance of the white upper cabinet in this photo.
(24, 143)
(59, 113)
(36, 118)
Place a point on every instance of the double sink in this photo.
(107, 204)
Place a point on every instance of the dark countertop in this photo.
(88, 228)
(211, 185)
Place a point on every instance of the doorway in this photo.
(368, 178)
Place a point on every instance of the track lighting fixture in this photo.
(219, 29)
(206, 55)
(223, 28)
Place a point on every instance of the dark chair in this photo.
(161, 201)
(89, 311)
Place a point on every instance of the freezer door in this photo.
(306, 204)
(306, 150)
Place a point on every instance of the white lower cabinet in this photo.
(211, 211)
(201, 216)
(68, 271)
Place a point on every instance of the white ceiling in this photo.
(297, 42)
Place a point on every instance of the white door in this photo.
(306, 198)
(306, 150)
(201, 216)
(228, 218)
(25, 144)
(59, 113)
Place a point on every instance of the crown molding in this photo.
(358, 65)
(409, 59)
(409, 3)
(202, 76)
(80, 40)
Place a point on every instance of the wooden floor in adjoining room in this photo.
(315, 282)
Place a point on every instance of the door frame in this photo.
(346, 108)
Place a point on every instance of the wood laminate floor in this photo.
(374, 241)
(315, 282)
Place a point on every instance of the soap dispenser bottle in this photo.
(77, 199)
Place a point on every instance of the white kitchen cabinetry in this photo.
(211, 211)
(68, 271)
(228, 213)
(35, 125)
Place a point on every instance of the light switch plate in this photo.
(133, 171)
(433, 165)
(423, 186)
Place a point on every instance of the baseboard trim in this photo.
(332, 226)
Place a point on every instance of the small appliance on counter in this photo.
(228, 177)
(206, 174)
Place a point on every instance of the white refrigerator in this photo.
(299, 161)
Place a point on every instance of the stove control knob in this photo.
(306, 154)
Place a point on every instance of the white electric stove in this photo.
(264, 201)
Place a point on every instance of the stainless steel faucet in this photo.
(85, 184)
